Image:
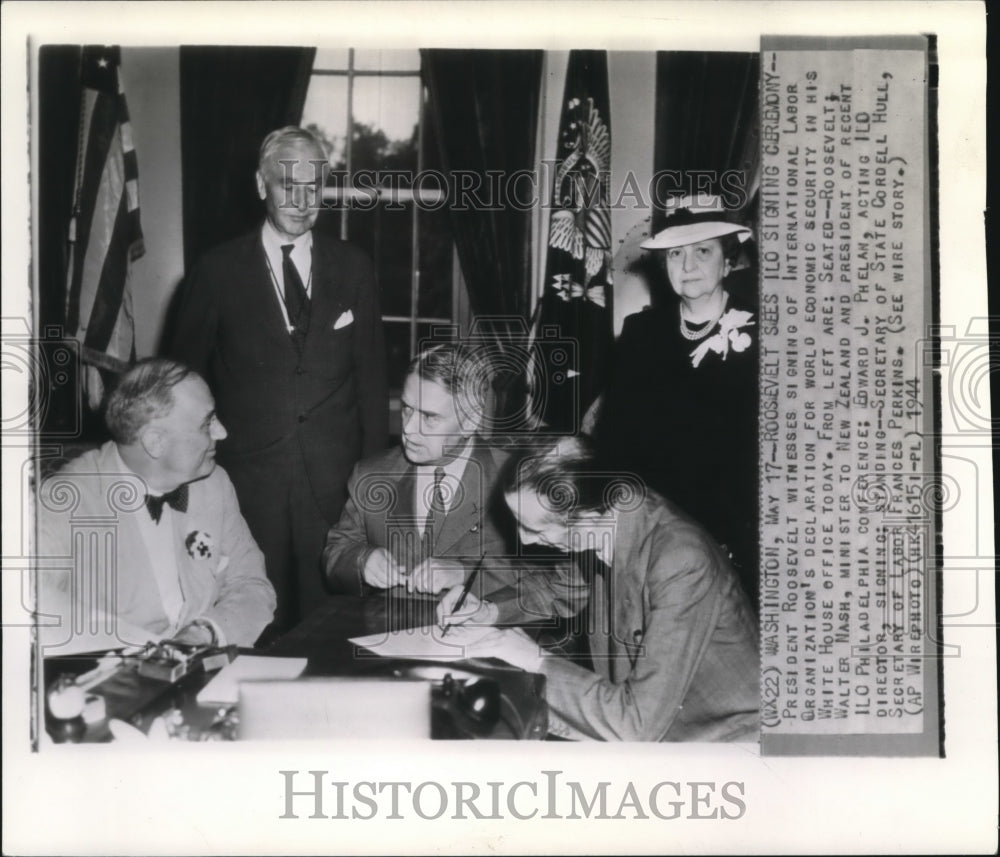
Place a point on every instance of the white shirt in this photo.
(454, 470)
(301, 256)
(159, 540)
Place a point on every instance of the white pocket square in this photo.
(344, 319)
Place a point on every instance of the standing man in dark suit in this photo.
(284, 323)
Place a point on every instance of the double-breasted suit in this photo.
(299, 416)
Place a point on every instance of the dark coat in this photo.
(689, 432)
(328, 402)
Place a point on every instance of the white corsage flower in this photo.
(199, 545)
(730, 335)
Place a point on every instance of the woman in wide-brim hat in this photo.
(681, 410)
(700, 248)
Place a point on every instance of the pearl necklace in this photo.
(704, 326)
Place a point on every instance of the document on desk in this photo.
(225, 687)
(427, 642)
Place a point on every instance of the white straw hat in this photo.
(691, 219)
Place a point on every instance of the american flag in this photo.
(105, 235)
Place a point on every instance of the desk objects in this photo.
(170, 661)
(329, 678)
(65, 702)
(131, 686)
(474, 703)
(71, 707)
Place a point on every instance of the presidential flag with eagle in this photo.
(576, 298)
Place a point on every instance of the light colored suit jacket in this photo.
(672, 638)
(96, 581)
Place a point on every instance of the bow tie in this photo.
(176, 499)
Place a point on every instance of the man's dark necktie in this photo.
(296, 299)
(176, 499)
(435, 513)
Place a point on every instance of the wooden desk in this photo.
(323, 636)
(323, 639)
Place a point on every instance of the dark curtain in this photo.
(706, 116)
(231, 97)
(58, 410)
(707, 119)
(58, 128)
(484, 108)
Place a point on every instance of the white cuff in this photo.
(220, 637)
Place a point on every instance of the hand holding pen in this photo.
(450, 608)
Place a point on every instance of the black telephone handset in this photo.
(475, 703)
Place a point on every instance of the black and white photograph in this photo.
(378, 394)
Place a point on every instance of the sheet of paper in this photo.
(424, 642)
(224, 688)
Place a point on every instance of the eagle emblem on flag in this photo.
(581, 223)
(577, 297)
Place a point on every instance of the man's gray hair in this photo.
(289, 135)
(143, 393)
(464, 370)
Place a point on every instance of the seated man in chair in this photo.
(147, 529)
(422, 516)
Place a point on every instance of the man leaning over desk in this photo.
(143, 538)
(421, 516)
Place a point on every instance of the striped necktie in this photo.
(435, 513)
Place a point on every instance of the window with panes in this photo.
(368, 107)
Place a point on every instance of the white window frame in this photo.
(337, 195)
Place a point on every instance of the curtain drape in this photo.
(484, 108)
(706, 116)
(58, 135)
(231, 97)
(708, 120)
(483, 111)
